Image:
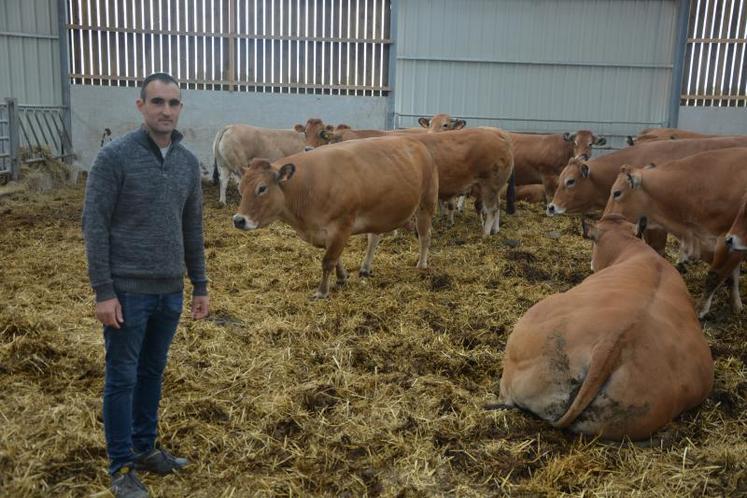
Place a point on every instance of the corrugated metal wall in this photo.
(29, 52)
(537, 65)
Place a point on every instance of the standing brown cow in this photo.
(696, 199)
(328, 194)
(237, 144)
(620, 355)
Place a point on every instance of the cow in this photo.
(653, 134)
(236, 145)
(696, 199)
(584, 186)
(441, 122)
(534, 193)
(618, 356)
(328, 194)
(736, 237)
(315, 132)
(539, 158)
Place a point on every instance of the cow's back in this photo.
(538, 154)
(463, 157)
(241, 143)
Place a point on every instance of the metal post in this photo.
(683, 15)
(67, 124)
(393, 19)
(15, 161)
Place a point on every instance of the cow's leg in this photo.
(733, 283)
(725, 265)
(423, 226)
(342, 274)
(224, 176)
(373, 241)
(460, 203)
(450, 210)
(335, 244)
(490, 208)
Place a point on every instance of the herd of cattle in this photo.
(619, 355)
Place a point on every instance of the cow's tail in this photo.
(217, 156)
(604, 358)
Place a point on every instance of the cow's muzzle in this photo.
(733, 243)
(243, 223)
(553, 209)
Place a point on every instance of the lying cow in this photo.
(620, 355)
(696, 199)
(539, 158)
(328, 194)
(237, 144)
(653, 134)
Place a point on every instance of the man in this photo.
(142, 223)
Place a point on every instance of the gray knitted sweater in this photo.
(142, 218)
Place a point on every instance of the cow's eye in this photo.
(570, 182)
(261, 189)
(616, 194)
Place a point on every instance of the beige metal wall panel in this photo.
(29, 52)
(537, 65)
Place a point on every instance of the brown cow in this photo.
(539, 158)
(441, 122)
(620, 355)
(584, 186)
(653, 134)
(331, 193)
(237, 144)
(696, 199)
(314, 131)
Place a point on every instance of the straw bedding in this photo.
(377, 391)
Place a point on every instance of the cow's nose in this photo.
(551, 209)
(729, 241)
(308, 148)
(239, 221)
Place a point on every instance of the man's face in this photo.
(161, 107)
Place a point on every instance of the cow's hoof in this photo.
(365, 273)
(682, 268)
(319, 295)
(342, 283)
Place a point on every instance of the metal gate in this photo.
(31, 133)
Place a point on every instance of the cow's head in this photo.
(575, 190)
(582, 141)
(627, 195)
(441, 122)
(609, 236)
(262, 196)
(316, 132)
(736, 237)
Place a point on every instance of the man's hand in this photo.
(199, 307)
(109, 313)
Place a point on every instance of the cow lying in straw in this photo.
(619, 355)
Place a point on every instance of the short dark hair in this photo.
(164, 77)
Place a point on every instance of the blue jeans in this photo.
(136, 356)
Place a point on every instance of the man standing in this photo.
(142, 223)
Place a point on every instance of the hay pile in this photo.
(376, 391)
(44, 174)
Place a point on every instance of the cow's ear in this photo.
(630, 140)
(588, 230)
(640, 227)
(584, 168)
(625, 168)
(600, 141)
(326, 135)
(285, 173)
(649, 166)
(329, 128)
(567, 137)
(459, 124)
(634, 179)
(243, 170)
(342, 126)
(300, 128)
(424, 122)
